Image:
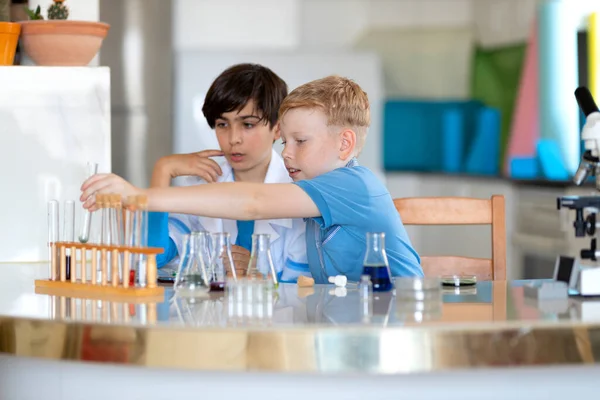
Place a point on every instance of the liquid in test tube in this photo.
(53, 237)
(69, 231)
(84, 235)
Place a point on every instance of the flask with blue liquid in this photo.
(376, 264)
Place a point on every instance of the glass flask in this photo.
(192, 279)
(375, 264)
(261, 265)
(221, 261)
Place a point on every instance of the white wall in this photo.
(335, 24)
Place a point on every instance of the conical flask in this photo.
(261, 265)
(375, 263)
(221, 261)
(192, 279)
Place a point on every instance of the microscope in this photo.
(584, 280)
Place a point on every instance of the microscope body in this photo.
(586, 208)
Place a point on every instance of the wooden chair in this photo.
(460, 211)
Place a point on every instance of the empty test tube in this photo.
(53, 234)
(116, 234)
(141, 230)
(101, 201)
(84, 235)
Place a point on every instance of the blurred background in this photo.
(469, 97)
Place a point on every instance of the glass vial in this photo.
(103, 272)
(116, 235)
(261, 265)
(192, 279)
(141, 229)
(86, 223)
(221, 261)
(375, 264)
(69, 233)
(53, 237)
(129, 214)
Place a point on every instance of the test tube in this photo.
(141, 221)
(84, 235)
(69, 233)
(102, 201)
(53, 233)
(131, 237)
(116, 233)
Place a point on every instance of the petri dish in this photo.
(458, 280)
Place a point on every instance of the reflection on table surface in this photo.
(487, 302)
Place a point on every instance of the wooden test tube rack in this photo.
(109, 286)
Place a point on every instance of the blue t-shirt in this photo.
(353, 201)
(244, 236)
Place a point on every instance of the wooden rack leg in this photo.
(125, 312)
(63, 264)
(94, 311)
(114, 312)
(63, 307)
(126, 267)
(53, 263)
(94, 266)
(151, 271)
(73, 264)
(73, 308)
(152, 313)
(82, 265)
(114, 260)
(103, 266)
(84, 309)
(105, 311)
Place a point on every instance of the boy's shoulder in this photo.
(354, 177)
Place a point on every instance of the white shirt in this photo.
(288, 244)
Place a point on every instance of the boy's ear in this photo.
(348, 143)
(277, 133)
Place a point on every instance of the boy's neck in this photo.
(254, 175)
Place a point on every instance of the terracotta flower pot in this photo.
(9, 37)
(62, 42)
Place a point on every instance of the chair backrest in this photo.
(460, 211)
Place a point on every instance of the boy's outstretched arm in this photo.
(237, 201)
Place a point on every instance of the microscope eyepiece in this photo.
(585, 100)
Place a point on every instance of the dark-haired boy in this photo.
(242, 106)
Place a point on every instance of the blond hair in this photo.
(341, 99)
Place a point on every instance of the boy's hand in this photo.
(241, 258)
(105, 183)
(193, 164)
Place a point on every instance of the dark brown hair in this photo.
(239, 84)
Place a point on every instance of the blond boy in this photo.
(323, 126)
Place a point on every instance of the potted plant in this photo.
(58, 41)
(9, 34)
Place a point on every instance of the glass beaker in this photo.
(261, 264)
(221, 261)
(376, 263)
(192, 279)
(84, 235)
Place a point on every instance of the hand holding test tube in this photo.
(84, 235)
